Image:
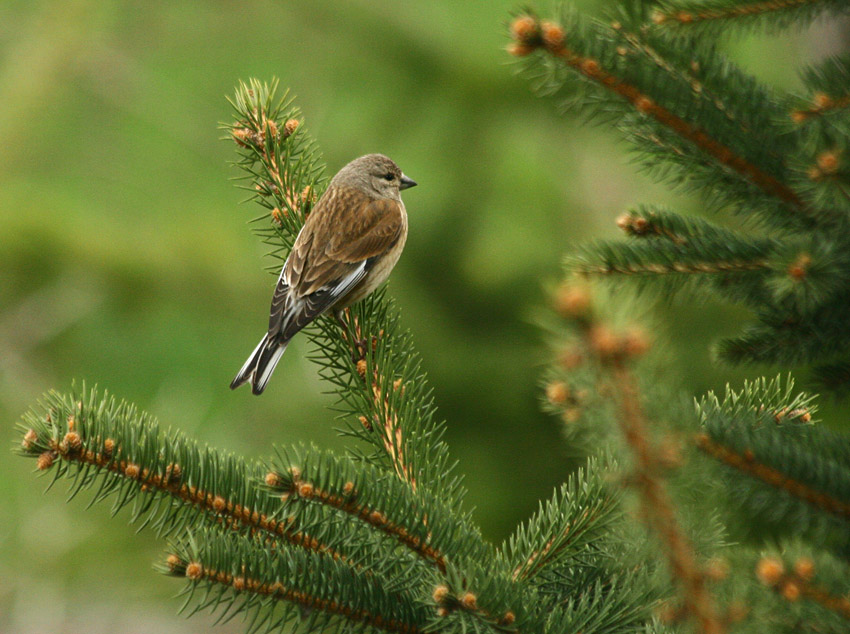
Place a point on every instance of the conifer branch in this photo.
(735, 266)
(347, 504)
(198, 573)
(85, 441)
(550, 37)
(239, 578)
(798, 584)
(822, 104)
(688, 13)
(746, 463)
(612, 354)
(657, 506)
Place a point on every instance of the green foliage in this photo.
(799, 482)
(689, 17)
(656, 74)
(696, 118)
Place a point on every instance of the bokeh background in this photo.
(126, 260)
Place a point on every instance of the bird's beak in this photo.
(407, 182)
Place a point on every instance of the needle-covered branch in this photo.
(681, 99)
(789, 473)
(690, 17)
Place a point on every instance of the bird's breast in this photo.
(381, 268)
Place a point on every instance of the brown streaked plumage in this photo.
(346, 249)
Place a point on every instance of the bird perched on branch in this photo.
(347, 247)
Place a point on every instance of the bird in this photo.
(346, 249)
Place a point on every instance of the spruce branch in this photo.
(567, 526)
(612, 355)
(420, 521)
(746, 463)
(798, 583)
(174, 484)
(829, 83)
(689, 16)
(797, 474)
(277, 588)
(643, 82)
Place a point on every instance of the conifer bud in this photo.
(29, 439)
(219, 504)
(306, 490)
(798, 116)
(290, 127)
(553, 36)
(45, 461)
(524, 29)
(194, 571)
(805, 568)
(828, 162)
(821, 100)
(108, 447)
(800, 267)
(272, 479)
(557, 392)
(365, 422)
(603, 341)
(635, 343)
(509, 618)
(242, 136)
(441, 593)
(791, 590)
(132, 471)
(517, 49)
(572, 301)
(73, 440)
(769, 570)
(469, 601)
(174, 563)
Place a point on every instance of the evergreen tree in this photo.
(656, 73)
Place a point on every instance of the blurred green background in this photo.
(126, 259)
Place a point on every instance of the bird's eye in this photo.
(389, 176)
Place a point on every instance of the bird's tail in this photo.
(260, 365)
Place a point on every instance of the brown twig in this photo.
(196, 571)
(385, 421)
(72, 448)
(746, 463)
(656, 268)
(657, 505)
(347, 504)
(737, 11)
(823, 104)
(551, 38)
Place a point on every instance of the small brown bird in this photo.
(346, 249)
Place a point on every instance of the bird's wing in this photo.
(331, 256)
